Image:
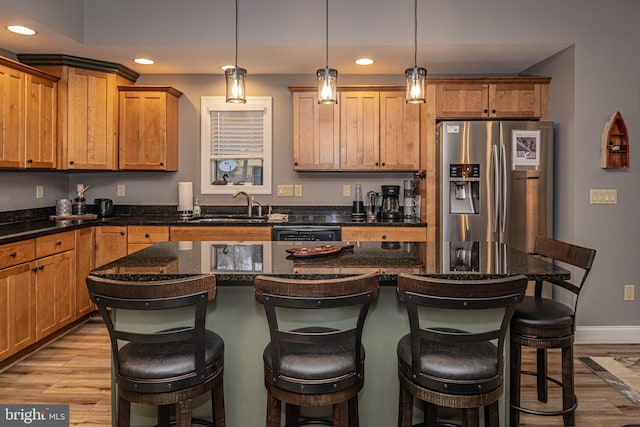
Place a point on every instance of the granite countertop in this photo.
(21, 225)
(238, 263)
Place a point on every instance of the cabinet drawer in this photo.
(220, 234)
(148, 234)
(55, 244)
(384, 234)
(17, 253)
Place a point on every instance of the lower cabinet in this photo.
(111, 244)
(384, 234)
(142, 236)
(224, 233)
(85, 242)
(18, 316)
(55, 292)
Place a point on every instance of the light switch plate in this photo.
(603, 197)
(297, 190)
(346, 190)
(39, 191)
(121, 190)
(285, 190)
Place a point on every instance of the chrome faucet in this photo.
(249, 201)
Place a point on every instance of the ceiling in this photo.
(99, 33)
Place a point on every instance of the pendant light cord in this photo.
(415, 33)
(326, 32)
(236, 33)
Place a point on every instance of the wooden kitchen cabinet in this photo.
(148, 117)
(85, 243)
(87, 109)
(510, 98)
(399, 132)
(383, 234)
(316, 133)
(18, 316)
(359, 130)
(220, 234)
(111, 244)
(55, 293)
(27, 117)
(140, 237)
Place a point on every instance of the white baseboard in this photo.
(607, 335)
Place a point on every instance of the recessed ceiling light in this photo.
(19, 29)
(144, 61)
(226, 67)
(364, 61)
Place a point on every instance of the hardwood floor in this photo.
(75, 370)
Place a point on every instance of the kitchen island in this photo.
(242, 324)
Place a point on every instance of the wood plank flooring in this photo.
(75, 370)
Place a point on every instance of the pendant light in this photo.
(416, 76)
(235, 76)
(327, 77)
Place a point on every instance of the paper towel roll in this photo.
(185, 196)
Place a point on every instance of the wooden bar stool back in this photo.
(168, 367)
(543, 323)
(452, 367)
(319, 364)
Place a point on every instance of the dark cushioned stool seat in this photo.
(542, 313)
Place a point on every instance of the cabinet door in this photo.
(91, 124)
(12, 117)
(359, 130)
(41, 123)
(399, 132)
(148, 137)
(515, 100)
(316, 133)
(55, 293)
(111, 244)
(85, 242)
(18, 316)
(462, 101)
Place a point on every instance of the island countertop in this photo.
(237, 263)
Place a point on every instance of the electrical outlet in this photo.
(39, 191)
(285, 190)
(121, 190)
(603, 197)
(297, 190)
(346, 190)
(629, 292)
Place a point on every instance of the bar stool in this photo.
(451, 367)
(168, 367)
(321, 364)
(544, 323)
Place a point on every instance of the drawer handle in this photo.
(34, 269)
(30, 161)
(146, 235)
(122, 233)
(13, 254)
(41, 267)
(71, 162)
(384, 237)
(59, 243)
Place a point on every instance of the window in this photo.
(236, 145)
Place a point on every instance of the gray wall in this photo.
(597, 76)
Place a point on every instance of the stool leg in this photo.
(124, 412)
(354, 419)
(568, 392)
(492, 415)
(273, 411)
(217, 405)
(292, 414)
(471, 417)
(541, 369)
(164, 413)
(183, 413)
(430, 415)
(341, 415)
(515, 356)
(405, 408)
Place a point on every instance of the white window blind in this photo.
(237, 134)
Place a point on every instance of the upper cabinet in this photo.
(27, 117)
(148, 137)
(87, 109)
(500, 98)
(371, 129)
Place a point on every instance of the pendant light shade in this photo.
(415, 76)
(235, 77)
(327, 77)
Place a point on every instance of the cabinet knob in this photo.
(383, 164)
(485, 111)
(376, 163)
(13, 254)
(30, 161)
(161, 163)
(493, 111)
(41, 267)
(59, 243)
(384, 237)
(34, 269)
(70, 162)
(295, 163)
(146, 235)
(122, 233)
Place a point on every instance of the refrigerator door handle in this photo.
(503, 165)
(496, 188)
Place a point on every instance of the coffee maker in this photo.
(390, 209)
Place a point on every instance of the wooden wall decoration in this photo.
(614, 144)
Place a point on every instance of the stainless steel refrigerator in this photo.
(495, 181)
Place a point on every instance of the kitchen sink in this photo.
(229, 218)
